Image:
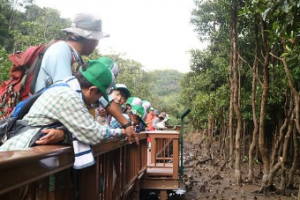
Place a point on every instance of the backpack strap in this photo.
(23, 107)
(75, 58)
(37, 66)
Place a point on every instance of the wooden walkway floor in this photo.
(158, 169)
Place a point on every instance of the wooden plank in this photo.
(162, 171)
(160, 165)
(176, 158)
(40, 162)
(160, 184)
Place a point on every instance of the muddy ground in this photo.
(206, 178)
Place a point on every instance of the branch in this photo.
(293, 89)
(257, 78)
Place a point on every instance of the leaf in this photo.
(284, 55)
(288, 48)
(265, 13)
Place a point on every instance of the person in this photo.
(135, 115)
(158, 123)
(155, 117)
(132, 101)
(147, 105)
(119, 95)
(149, 118)
(66, 105)
(63, 58)
(82, 38)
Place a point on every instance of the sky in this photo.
(156, 33)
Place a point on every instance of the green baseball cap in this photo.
(132, 101)
(112, 65)
(99, 75)
(151, 108)
(139, 111)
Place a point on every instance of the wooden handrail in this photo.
(119, 172)
(118, 168)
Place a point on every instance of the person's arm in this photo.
(76, 118)
(114, 110)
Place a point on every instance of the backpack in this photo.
(13, 124)
(23, 76)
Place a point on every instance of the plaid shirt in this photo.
(64, 105)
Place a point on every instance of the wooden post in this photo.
(153, 149)
(163, 195)
(175, 158)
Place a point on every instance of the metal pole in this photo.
(184, 114)
(181, 148)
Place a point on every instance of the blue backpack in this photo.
(13, 124)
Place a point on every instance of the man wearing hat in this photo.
(159, 122)
(62, 58)
(82, 38)
(66, 106)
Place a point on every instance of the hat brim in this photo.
(125, 91)
(92, 35)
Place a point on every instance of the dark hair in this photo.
(84, 83)
(123, 94)
(75, 37)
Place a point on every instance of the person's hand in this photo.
(102, 113)
(131, 135)
(52, 136)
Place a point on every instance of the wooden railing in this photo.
(164, 152)
(121, 170)
(45, 172)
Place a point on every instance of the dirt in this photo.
(208, 177)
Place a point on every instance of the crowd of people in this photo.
(80, 102)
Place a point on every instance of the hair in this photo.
(74, 37)
(121, 92)
(83, 82)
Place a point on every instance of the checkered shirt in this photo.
(64, 105)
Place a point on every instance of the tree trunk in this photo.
(230, 123)
(265, 90)
(255, 124)
(295, 162)
(276, 149)
(282, 159)
(236, 92)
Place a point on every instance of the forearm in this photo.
(114, 110)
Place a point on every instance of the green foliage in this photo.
(168, 82)
(206, 87)
(5, 65)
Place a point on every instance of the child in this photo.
(120, 95)
(135, 116)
